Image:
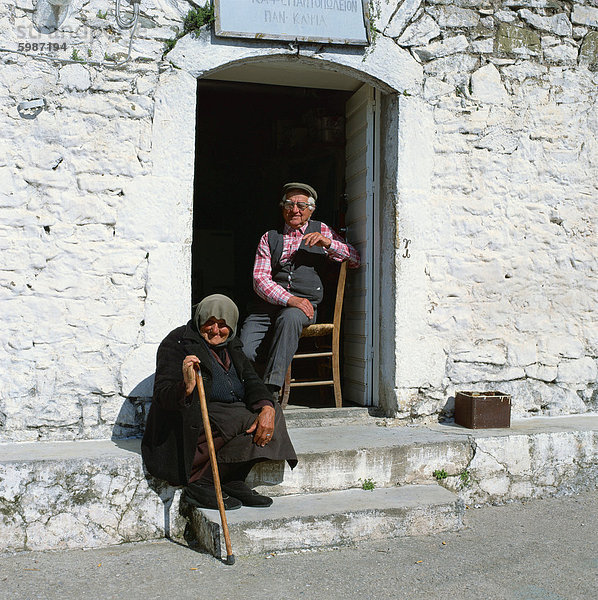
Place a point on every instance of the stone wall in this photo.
(509, 251)
(95, 214)
(94, 223)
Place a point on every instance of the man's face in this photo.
(294, 217)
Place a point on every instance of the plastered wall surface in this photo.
(492, 193)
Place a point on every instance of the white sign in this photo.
(329, 21)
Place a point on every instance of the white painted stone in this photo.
(473, 373)
(541, 372)
(484, 46)
(524, 70)
(381, 11)
(167, 306)
(522, 353)
(434, 88)
(453, 69)
(480, 352)
(442, 48)
(563, 54)
(487, 86)
(552, 348)
(585, 15)
(454, 16)
(74, 77)
(164, 203)
(498, 140)
(137, 371)
(558, 24)
(420, 32)
(506, 16)
(577, 371)
(402, 17)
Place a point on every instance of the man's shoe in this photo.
(204, 496)
(249, 497)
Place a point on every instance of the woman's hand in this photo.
(263, 426)
(190, 366)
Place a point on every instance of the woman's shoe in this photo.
(249, 497)
(204, 496)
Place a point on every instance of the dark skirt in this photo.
(233, 419)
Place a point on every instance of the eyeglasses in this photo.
(288, 205)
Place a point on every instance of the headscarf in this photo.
(219, 307)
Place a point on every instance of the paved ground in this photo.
(541, 550)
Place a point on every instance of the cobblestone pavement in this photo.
(540, 550)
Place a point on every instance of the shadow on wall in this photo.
(132, 416)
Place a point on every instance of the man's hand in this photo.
(316, 239)
(303, 304)
(263, 426)
(190, 366)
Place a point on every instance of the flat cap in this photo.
(300, 186)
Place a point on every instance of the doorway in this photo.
(251, 139)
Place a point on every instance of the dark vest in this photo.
(301, 276)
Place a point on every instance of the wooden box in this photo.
(482, 410)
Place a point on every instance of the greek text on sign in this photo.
(330, 21)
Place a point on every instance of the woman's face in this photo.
(214, 331)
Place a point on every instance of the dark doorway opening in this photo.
(251, 139)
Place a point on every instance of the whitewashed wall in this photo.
(496, 189)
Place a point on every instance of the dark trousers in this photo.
(274, 332)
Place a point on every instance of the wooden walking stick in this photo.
(230, 557)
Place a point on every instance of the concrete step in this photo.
(337, 458)
(300, 416)
(331, 519)
(84, 494)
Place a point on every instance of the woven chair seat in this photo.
(317, 329)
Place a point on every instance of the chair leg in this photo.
(286, 389)
(336, 377)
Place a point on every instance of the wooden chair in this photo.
(318, 330)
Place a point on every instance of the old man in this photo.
(287, 278)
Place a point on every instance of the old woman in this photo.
(247, 426)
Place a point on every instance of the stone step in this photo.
(338, 458)
(300, 416)
(331, 519)
(95, 493)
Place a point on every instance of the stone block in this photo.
(580, 372)
(434, 88)
(402, 17)
(480, 352)
(74, 77)
(561, 54)
(519, 41)
(558, 24)
(585, 15)
(522, 353)
(420, 32)
(445, 47)
(588, 53)
(451, 16)
(453, 69)
(552, 348)
(498, 140)
(541, 372)
(487, 86)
